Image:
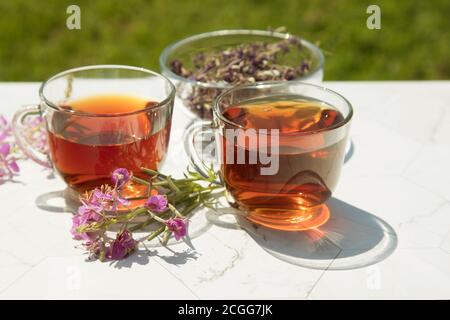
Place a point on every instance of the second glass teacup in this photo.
(281, 146)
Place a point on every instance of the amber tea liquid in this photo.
(85, 150)
(310, 157)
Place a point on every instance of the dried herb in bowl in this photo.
(244, 63)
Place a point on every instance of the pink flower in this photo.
(36, 133)
(4, 149)
(100, 197)
(178, 226)
(92, 203)
(8, 164)
(157, 203)
(120, 176)
(107, 199)
(39, 141)
(122, 246)
(78, 221)
(86, 215)
(34, 121)
(5, 129)
(88, 207)
(90, 212)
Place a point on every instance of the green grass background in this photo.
(412, 44)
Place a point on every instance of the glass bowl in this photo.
(197, 96)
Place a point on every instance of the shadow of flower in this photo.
(174, 257)
(140, 257)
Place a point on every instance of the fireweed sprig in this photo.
(8, 152)
(34, 132)
(169, 204)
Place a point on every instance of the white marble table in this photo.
(388, 238)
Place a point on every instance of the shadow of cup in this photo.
(351, 238)
(349, 150)
(56, 201)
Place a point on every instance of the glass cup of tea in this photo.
(279, 149)
(100, 118)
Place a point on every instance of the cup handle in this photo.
(18, 129)
(199, 128)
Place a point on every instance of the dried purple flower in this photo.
(295, 41)
(245, 63)
(304, 67)
(177, 67)
(284, 47)
(198, 59)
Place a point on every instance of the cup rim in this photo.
(227, 32)
(265, 84)
(159, 105)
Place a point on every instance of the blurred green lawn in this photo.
(412, 44)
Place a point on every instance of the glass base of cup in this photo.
(290, 220)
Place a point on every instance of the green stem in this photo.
(153, 173)
(174, 210)
(178, 183)
(165, 238)
(141, 181)
(109, 221)
(154, 216)
(178, 196)
(186, 211)
(172, 185)
(137, 198)
(141, 225)
(157, 233)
